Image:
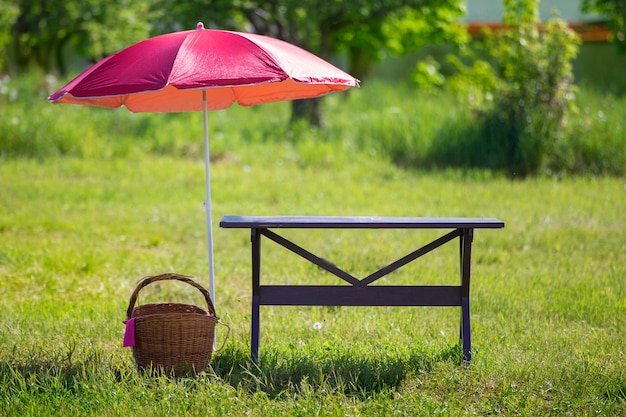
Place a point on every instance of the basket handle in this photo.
(225, 338)
(163, 277)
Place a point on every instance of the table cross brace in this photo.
(351, 279)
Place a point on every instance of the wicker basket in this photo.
(171, 337)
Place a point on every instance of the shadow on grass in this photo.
(53, 374)
(616, 392)
(469, 143)
(281, 370)
(342, 370)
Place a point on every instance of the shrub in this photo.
(522, 89)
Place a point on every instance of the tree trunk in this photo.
(59, 56)
(308, 110)
(360, 64)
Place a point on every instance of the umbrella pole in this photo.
(207, 204)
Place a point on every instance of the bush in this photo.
(522, 89)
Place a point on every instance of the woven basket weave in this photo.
(173, 338)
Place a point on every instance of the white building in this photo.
(488, 13)
(492, 10)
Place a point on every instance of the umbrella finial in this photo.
(200, 26)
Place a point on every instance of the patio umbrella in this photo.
(204, 70)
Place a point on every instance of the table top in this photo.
(358, 222)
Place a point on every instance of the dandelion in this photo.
(317, 325)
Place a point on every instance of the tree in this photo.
(360, 29)
(615, 10)
(44, 29)
(8, 14)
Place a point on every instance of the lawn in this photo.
(548, 290)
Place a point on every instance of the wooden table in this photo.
(359, 292)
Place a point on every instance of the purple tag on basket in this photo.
(129, 334)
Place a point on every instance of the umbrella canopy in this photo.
(204, 70)
(168, 73)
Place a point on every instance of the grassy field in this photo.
(548, 290)
(401, 123)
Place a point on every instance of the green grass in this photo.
(76, 234)
(93, 200)
(403, 124)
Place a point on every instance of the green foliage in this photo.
(523, 91)
(411, 28)
(397, 28)
(44, 31)
(110, 26)
(408, 125)
(595, 139)
(615, 10)
(360, 29)
(427, 73)
(8, 13)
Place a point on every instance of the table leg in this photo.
(254, 342)
(256, 275)
(466, 328)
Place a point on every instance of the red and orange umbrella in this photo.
(205, 70)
